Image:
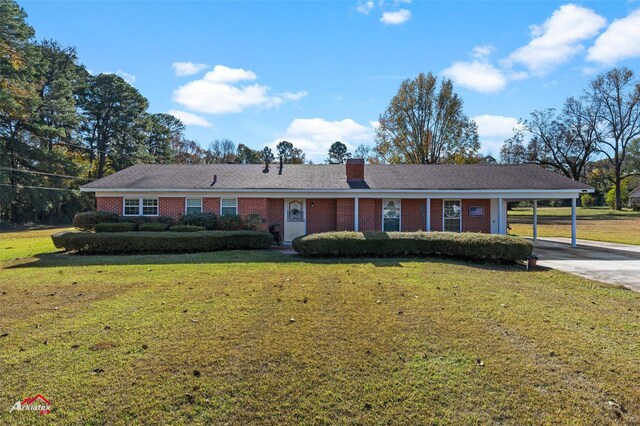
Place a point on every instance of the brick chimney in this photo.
(355, 169)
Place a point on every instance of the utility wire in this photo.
(44, 173)
(38, 187)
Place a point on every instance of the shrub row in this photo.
(115, 227)
(158, 242)
(87, 221)
(482, 247)
(144, 227)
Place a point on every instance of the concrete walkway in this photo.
(607, 262)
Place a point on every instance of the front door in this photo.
(294, 219)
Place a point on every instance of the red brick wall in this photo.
(322, 216)
(370, 217)
(436, 215)
(211, 205)
(476, 224)
(109, 204)
(253, 206)
(171, 206)
(344, 214)
(275, 211)
(413, 216)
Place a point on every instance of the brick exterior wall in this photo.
(254, 206)
(171, 206)
(327, 214)
(476, 224)
(436, 215)
(413, 215)
(275, 211)
(322, 216)
(109, 204)
(370, 217)
(211, 205)
(344, 214)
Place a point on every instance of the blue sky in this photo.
(316, 72)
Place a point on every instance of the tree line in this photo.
(594, 138)
(61, 127)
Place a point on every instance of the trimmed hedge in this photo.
(473, 246)
(153, 227)
(148, 219)
(204, 220)
(185, 228)
(159, 242)
(88, 220)
(116, 227)
(230, 222)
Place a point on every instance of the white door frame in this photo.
(286, 216)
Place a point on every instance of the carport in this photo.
(503, 212)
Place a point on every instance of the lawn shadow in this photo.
(61, 259)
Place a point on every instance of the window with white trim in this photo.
(452, 216)
(131, 206)
(228, 206)
(193, 205)
(140, 207)
(391, 215)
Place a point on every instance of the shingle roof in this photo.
(635, 192)
(333, 177)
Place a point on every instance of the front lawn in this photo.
(599, 223)
(263, 337)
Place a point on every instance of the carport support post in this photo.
(356, 208)
(500, 219)
(535, 220)
(573, 222)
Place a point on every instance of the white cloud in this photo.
(476, 75)
(483, 52)
(315, 135)
(289, 96)
(187, 68)
(222, 74)
(620, 41)
(189, 119)
(397, 17)
(493, 130)
(129, 78)
(217, 92)
(557, 39)
(365, 7)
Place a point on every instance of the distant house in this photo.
(634, 199)
(316, 198)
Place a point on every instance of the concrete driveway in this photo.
(607, 262)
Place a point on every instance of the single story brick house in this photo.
(308, 199)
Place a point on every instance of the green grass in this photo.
(599, 224)
(208, 339)
(21, 244)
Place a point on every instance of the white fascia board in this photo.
(514, 194)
